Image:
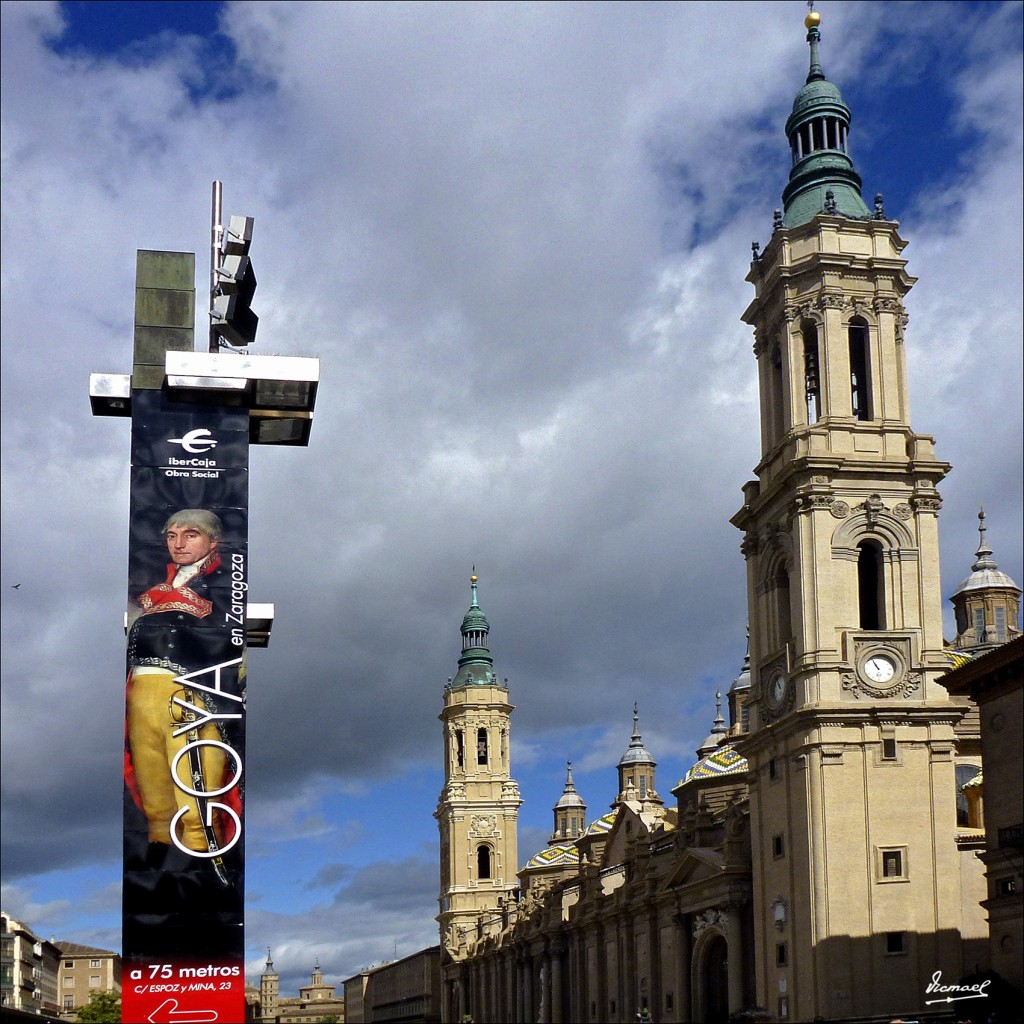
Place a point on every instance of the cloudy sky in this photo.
(516, 236)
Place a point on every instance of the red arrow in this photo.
(173, 1014)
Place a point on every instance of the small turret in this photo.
(987, 603)
(636, 769)
(570, 813)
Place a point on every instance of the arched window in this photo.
(481, 746)
(869, 584)
(783, 624)
(460, 749)
(483, 861)
(812, 378)
(860, 397)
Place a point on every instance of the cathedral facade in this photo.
(821, 858)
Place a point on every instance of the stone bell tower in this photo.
(478, 808)
(857, 881)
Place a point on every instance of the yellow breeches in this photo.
(153, 721)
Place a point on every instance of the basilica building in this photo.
(822, 857)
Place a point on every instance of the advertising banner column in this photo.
(184, 776)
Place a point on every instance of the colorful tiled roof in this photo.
(724, 761)
(602, 824)
(554, 856)
(958, 659)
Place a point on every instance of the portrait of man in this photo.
(172, 744)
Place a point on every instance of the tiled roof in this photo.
(724, 761)
(554, 856)
(602, 824)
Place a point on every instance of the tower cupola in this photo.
(476, 667)
(987, 603)
(636, 768)
(823, 178)
(570, 813)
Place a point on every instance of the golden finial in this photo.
(813, 19)
(472, 579)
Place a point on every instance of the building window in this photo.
(69, 963)
(895, 942)
(783, 1007)
(869, 584)
(668, 1000)
(859, 398)
(773, 770)
(979, 625)
(94, 963)
(892, 864)
(778, 846)
(781, 956)
(1000, 623)
(643, 787)
(481, 746)
(1006, 886)
(460, 749)
(776, 404)
(483, 861)
(812, 382)
(888, 748)
(965, 773)
(780, 594)
(94, 981)
(69, 982)
(69, 1002)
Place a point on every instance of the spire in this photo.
(637, 752)
(983, 556)
(823, 178)
(811, 23)
(718, 730)
(475, 663)
(269, 967)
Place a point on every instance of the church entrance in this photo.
(715, 982)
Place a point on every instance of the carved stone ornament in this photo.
(708, 919)
(927, 504)
(872, 507)
(832, 300)
(908, 684)
(887, 304)
(811, 501)
(839, 509)
(482, 823)
(902, 510)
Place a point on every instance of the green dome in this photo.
(818, 92)
(475, 664)
(823, 178)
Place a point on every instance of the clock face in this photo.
(777, 688)
(879, 668)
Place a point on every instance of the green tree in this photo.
(331, 1018)
(102, 1008)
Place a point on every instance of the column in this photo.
(555, 960)
(733, 938)
(684, 967)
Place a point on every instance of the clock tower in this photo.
(852, 743)
(478, 809)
